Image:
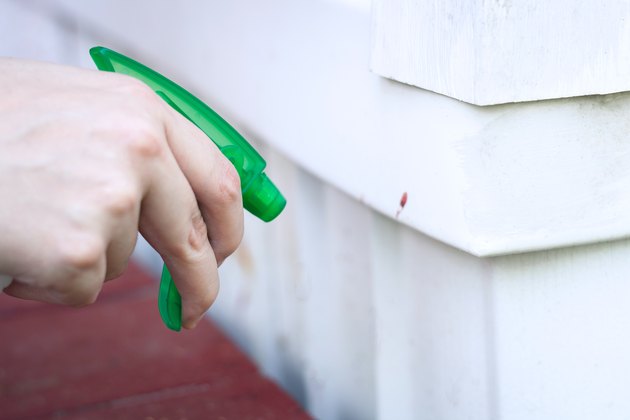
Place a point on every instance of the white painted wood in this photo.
(561, 322)
(490, 181)
(433, 343)
(534, 336)
(490, 52)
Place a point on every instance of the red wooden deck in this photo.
(115, 360)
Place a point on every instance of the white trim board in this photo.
(488, 180)
(492, 52)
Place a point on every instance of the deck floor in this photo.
(116, 360)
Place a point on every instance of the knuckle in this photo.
(82, 254)
(144, 140)
(122, 200)
(138, 130)
(198, 235)
(196, 246)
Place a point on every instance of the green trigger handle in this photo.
(260, 195)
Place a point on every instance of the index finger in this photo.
(214, 181)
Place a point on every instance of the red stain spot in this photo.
(403, 200)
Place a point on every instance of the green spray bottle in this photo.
(260, 195)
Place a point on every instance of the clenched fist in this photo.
(88, 159)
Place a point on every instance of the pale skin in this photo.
(88, 159)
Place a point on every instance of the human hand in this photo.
(89, 158)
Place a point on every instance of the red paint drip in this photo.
(403, 201)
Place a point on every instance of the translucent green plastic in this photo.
(260, 195)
